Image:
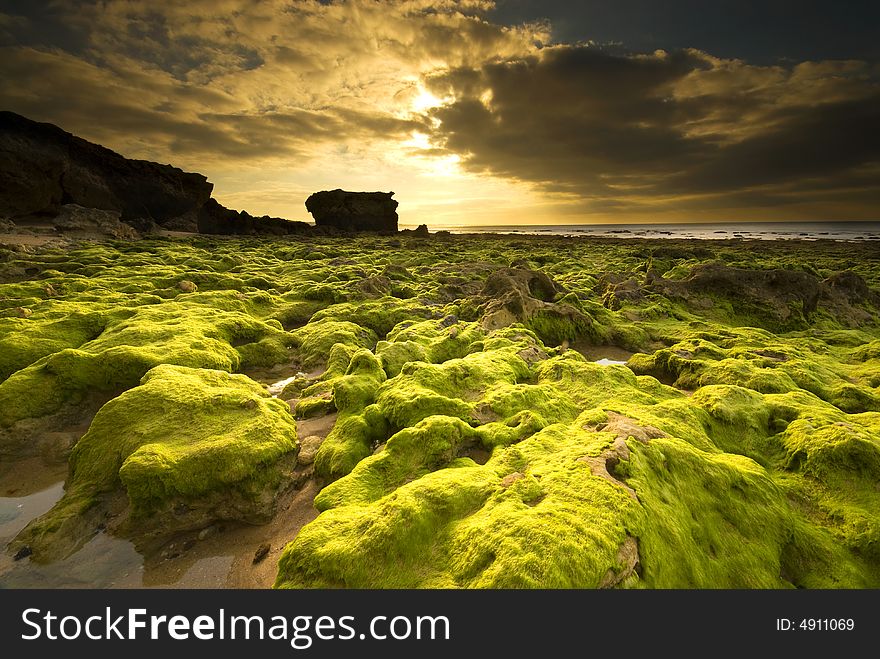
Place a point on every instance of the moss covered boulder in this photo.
(185, 448)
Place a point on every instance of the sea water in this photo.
(841, 231)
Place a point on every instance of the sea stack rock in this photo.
(354, 211)
(43, 167)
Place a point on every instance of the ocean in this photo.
(841, 231)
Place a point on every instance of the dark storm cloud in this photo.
(806, 144)
(41, 22)
(569, 111)
(294, 132)
(761, 32)
(648, 128)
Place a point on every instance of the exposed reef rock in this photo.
(196, 446)
(616, 289)
(850, 287)
(217, 219)
(780, 293)
(474, 411)
(420, 231)
(354, 211)
(42, 167)
(772, 299)
(520, 295)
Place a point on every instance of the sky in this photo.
(474, 112)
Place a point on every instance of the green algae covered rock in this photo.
(604, 500)
(187, 447)
(473, 440)
(178, 333)
(24, 340)
(766, 363)
(432, 443)
(316, 339)
(359, 425)
(617, 480)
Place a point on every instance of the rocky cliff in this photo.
(43, 167)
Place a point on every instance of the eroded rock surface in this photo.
(76, 220)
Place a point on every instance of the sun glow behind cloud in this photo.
(419, 151)
(425, 100)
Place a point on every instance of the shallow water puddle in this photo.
(276, 377)
(16, 512)
(225, 559)
(276, 388)
(104, 562)
(602, 355)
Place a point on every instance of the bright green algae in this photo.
(738, 448)
(180, 436)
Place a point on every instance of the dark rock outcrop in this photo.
(775, 298)
(616, 288)
(43, 167)
(851, 286)
(769, 285)
(420, 231)
(777, 294)
(522, 282)
(354, 211)
(530, 297)
(214, 218)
